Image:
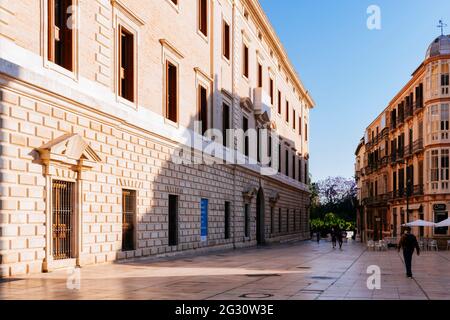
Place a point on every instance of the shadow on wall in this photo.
(194, 201)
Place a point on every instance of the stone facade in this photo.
(72, 126)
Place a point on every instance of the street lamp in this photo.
(408, 193)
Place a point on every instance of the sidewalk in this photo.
(302, 270)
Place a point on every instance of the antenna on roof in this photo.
(442, 25)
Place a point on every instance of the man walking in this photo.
(340, 238)
(333, 237)
(408, 242)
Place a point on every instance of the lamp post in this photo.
(408, 193)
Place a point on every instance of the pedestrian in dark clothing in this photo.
(340, 238)
(318, 237)
(408, 242)
(333, 237)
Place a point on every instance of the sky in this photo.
(352, 72)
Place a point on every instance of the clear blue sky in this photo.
(351, 71)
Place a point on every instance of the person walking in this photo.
(340, 238)
(408, 242)
(333, 237)
(318, 237)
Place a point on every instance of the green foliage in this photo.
(329, 221)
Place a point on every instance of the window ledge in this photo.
(171, 123)
(62, 71)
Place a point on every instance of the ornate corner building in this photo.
(402, 162)
(96, 100)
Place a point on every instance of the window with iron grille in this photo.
(128, 219)
(247, 220)
(62, 218)
(227, 219)
(279, 220)
(173, 220)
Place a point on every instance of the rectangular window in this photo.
(306, 132)
(272, 220)
(60, 36)
(440, 216)
(171, 92)
(246, 143)
(128, 219)
(434, 166)
(203, 17)
(204, 214)
(247, 220)
(126, 67)
(293, 120)
(260, 75)
(288, 227)
(293, 166)
(279, 220)
(226, 41)
(279, 101)
(271, 88)
(300, 126)
(286, 159)
(300, 170)
(203, 108)
(62, 218)
(227, 219)
(444, 168)
(245, 61)
(279, 158)
(269, 149)
(295, 220)
(444, 121)
(225, 123)
(258, 145)
(287, 111)
(306, 173)
(173, 220)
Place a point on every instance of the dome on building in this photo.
(440, 46)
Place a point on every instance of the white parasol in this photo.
(420, 223)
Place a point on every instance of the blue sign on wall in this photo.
(204, 219)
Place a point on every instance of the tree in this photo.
(334, 194)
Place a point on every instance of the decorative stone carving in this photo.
(69, 149)
(249, 193)
(247, 104)
(273, 198)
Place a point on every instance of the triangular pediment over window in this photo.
(247, 104)
(69, 149)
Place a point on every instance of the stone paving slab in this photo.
(296, 271)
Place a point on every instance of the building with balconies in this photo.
(402, 163)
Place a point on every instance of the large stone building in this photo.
(402, 163)
(96, 100)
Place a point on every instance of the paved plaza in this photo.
(299, 271)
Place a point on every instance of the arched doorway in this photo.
(260, 230)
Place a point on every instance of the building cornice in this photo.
(263, 22)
